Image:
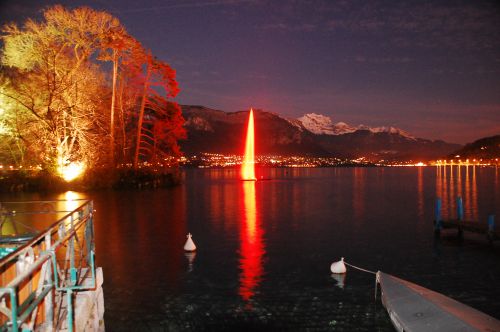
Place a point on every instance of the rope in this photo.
(361, 269)
(377, 275)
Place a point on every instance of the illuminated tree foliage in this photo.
(12, 148)
(59, 106)
(162, 121)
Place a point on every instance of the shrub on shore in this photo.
(101, 178)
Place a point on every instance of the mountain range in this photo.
(314, 135)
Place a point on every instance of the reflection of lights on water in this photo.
(190, 257)
(451, 184)
(71, 195)
(71, 171)
(340, 279)
(252, 244)
(250, 210)
(71, 200)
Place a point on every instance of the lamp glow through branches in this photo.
(71, 171)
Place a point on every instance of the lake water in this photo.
(265, 247)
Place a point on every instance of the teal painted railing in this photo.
(39, 279)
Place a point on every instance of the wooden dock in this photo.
(488, 228)
(472, 227)
(414, 308)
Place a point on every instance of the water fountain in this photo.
(248, 165)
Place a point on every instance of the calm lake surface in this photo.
(265, 247)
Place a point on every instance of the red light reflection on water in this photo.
(252, 244)
(420, 192)
(358, 199)
(457, 185)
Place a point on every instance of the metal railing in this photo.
(49, 264)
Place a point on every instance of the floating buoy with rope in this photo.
(338, 267)
(189, 245)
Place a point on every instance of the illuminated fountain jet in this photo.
(248, 166)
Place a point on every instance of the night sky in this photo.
(431, 68)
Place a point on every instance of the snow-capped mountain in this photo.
(323, 125)
(318, 124)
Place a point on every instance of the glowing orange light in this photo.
(71, 171)
(252, 245)
(248, 166)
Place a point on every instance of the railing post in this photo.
(460, 209)
(491, 227)
(49, 300)
(13, 303)
(89, 237)
(460, 217)
(72, 269)
(437, 220)
(69, 319)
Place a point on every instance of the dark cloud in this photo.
(167, 5)
(420, 24)
(380, 60)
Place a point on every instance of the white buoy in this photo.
(338, 267)
(189, 245)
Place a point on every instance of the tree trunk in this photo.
(121, 116)
(112, 113)
(141, 115)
